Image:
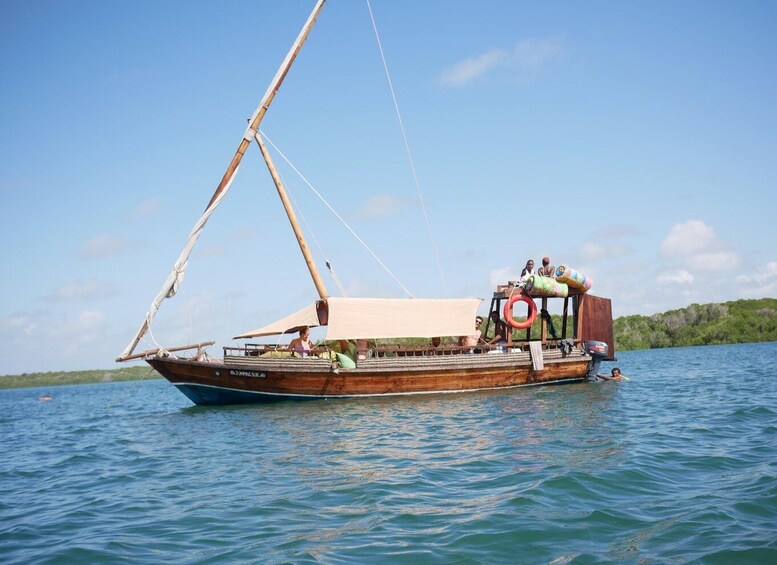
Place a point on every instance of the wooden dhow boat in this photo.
(381, 346)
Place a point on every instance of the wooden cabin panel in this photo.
(596, 321)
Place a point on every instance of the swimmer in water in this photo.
(615, 376)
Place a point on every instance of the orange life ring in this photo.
(508, 311)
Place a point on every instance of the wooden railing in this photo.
(258, 349)
(387, 349)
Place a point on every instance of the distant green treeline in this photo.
(741, 321)
(78, 377)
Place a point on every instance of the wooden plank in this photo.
(355, 382)
(564, 318)
(155, 351)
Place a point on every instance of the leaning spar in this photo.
(175, 278)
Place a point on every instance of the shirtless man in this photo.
(474, 339)
(615, 376)
(547, 270)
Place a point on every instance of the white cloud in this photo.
(472, 67)
(502, 275)
(715, 261)
(89, 319)
(685, 239)
(145, 209)
(593, 251)
(631, 268)
(68, 337)
(526, 59)
(381, 205)
(102, 247)
(761, 283)
(531, 54)
(77, 290)
(13, 326)
(676, 277)
(696, 244)
(765, 274)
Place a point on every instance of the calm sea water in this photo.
(678, 464)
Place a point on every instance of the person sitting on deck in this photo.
(302, 344)
(472, 340)
(547, 270)
(500, 329)
(528, 270)
(362, 349)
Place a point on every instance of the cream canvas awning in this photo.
(305, 317)
(375, 318)
(380, 318)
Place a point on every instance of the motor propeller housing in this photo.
(598, 350)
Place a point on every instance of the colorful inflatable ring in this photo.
(508, 311)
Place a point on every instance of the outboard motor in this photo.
(598, 350)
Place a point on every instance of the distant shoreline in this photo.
(60, 378)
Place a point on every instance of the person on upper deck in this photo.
(302, 344)
(547, 270)
(528, 270)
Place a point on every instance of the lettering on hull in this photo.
(254, 374)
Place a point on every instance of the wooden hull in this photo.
(249, 381)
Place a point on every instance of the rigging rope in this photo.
(337, 280)
(315, 239)
(129, 390)
(338, 216)
(409, 154)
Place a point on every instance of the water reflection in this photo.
(400, 440)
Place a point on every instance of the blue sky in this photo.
(633, 141)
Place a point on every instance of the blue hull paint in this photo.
(204, 395)
(214, 396)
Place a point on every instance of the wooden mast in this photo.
(256, 119)
(173, 280)
(293, 220)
